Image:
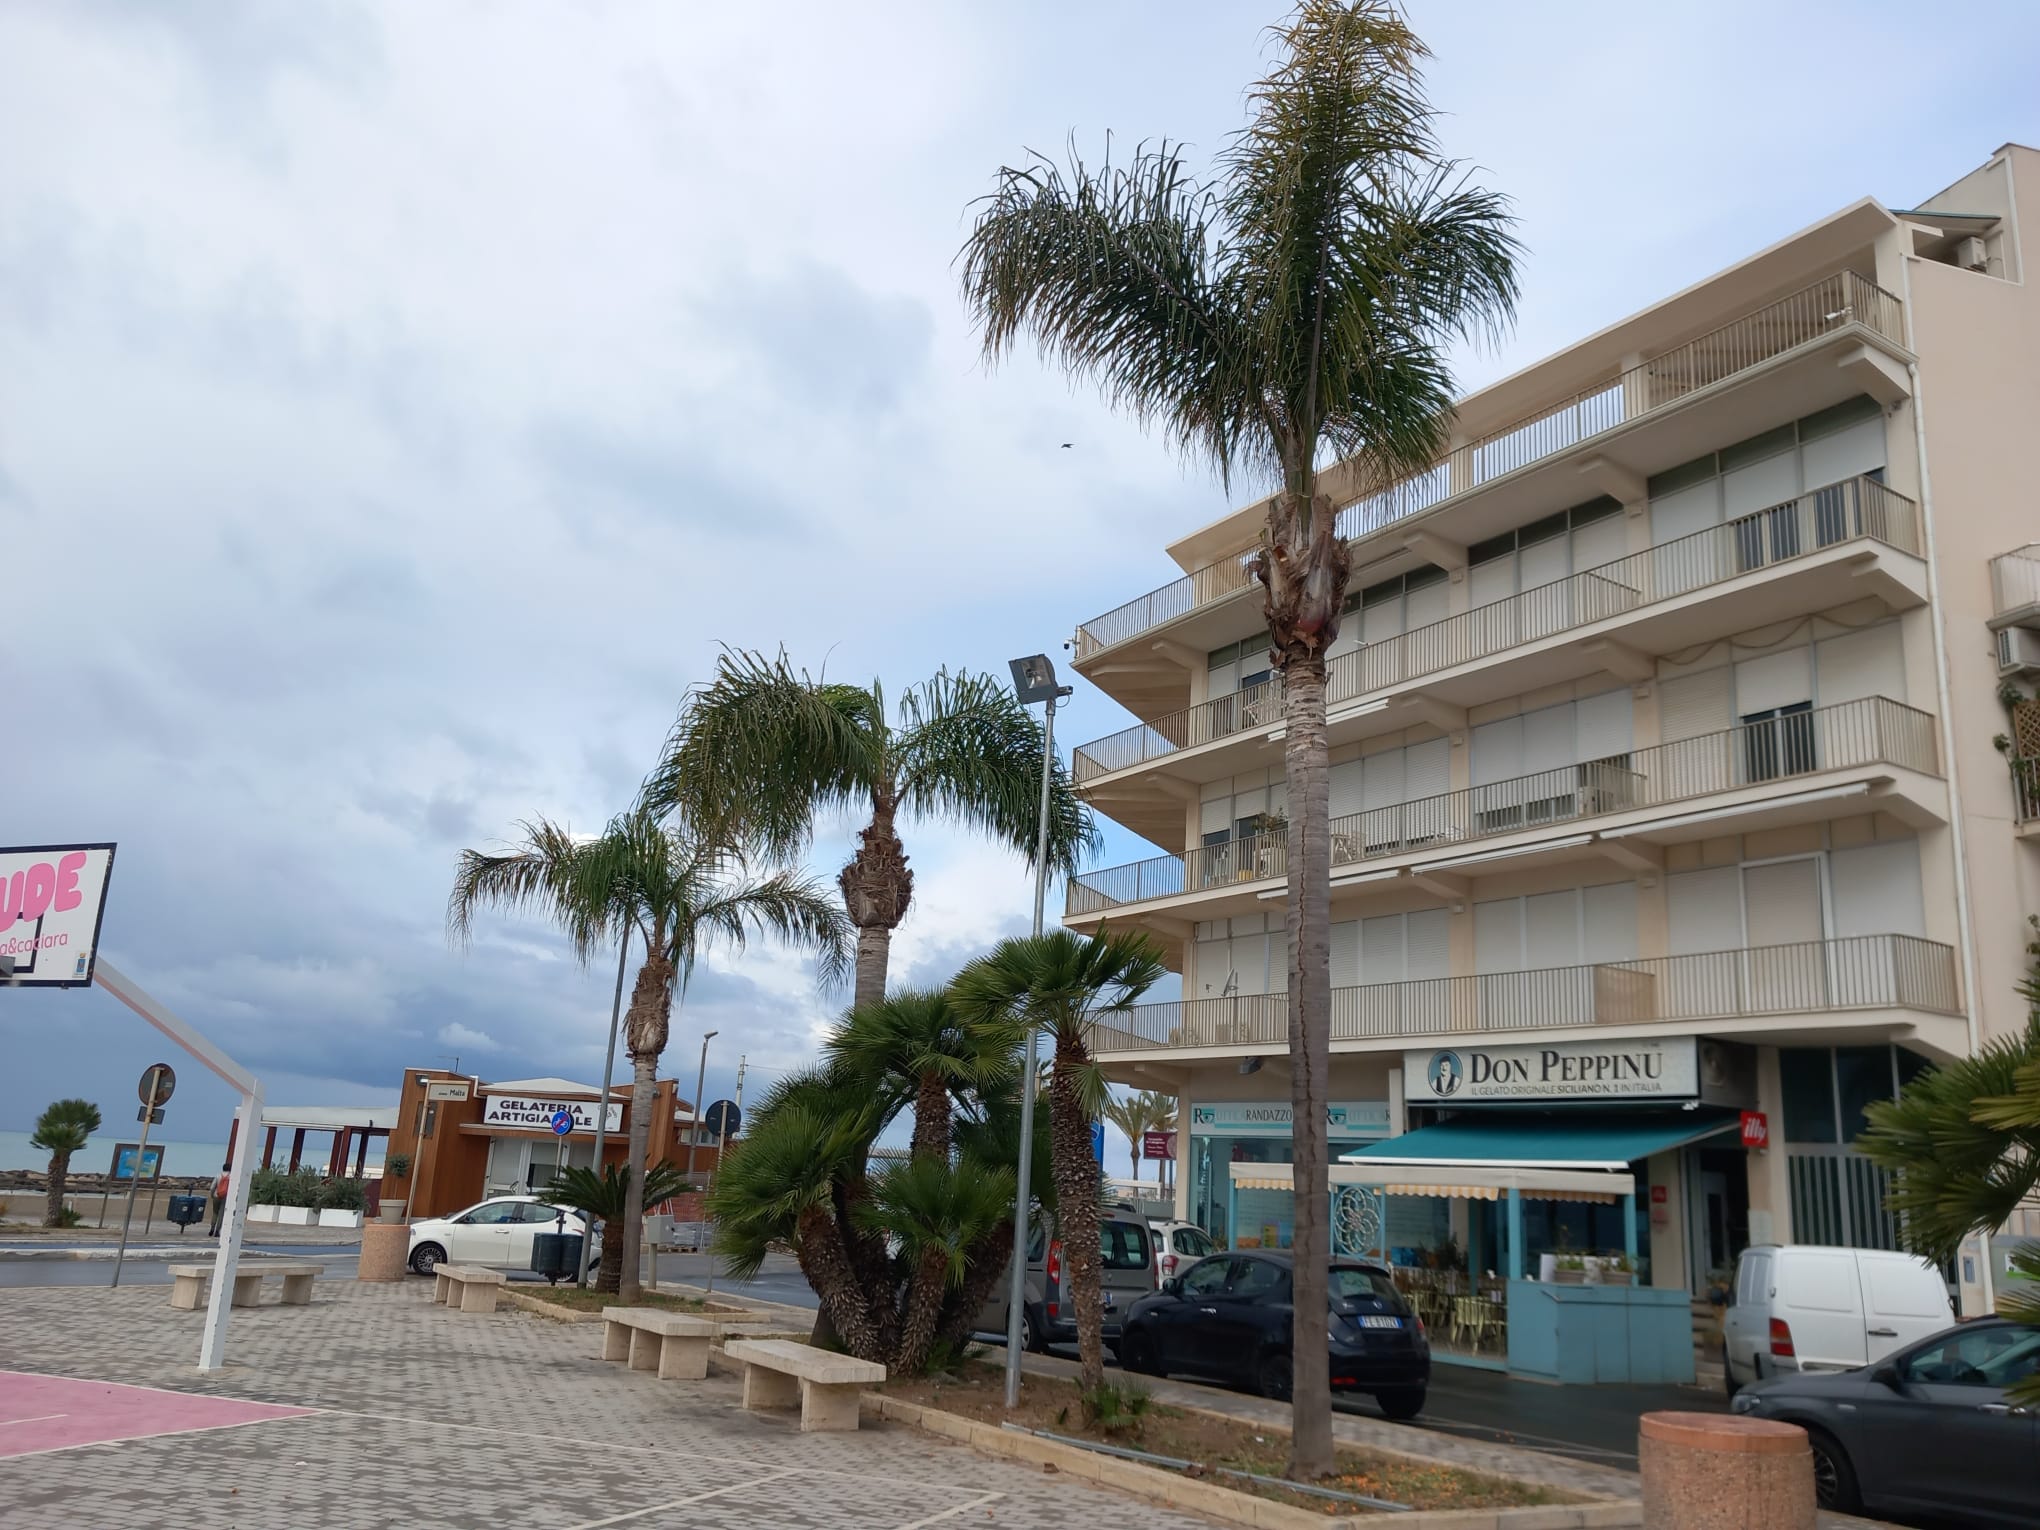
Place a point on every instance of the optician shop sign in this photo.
(1565, 1070)
(536, 1114)
(1271, 1118)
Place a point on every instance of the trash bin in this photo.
(556, 1256)
(187, 1210)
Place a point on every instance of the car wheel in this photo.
(1137, 1354)
(1834, 1480)
(1728, 1380)
(426, 1256)
(1273, 1376)
(1401, 1403)
(1030, 1334)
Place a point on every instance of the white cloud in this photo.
(466, 1038)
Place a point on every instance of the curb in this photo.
(1173, 1490)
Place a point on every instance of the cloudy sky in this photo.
(399, 403)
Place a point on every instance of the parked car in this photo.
(496, 1232)
(1178, 1245)
(1126, 1272)
(1802, 1307)
(1927, 1430)
(1228, 1317)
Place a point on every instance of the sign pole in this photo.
(141, 1162)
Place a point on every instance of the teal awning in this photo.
(1546, 1142)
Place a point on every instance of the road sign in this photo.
(722, 1119)
(1157, 1145)
(562, 1122)
(157, 1084)
(51, 897)
(153, 1117)
(126, 1154)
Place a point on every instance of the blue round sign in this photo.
(562, 1122)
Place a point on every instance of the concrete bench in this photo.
(188, 1283)
(779, 1373)
(674, 1344)
(469, 1287)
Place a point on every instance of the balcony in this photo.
(2015, 587)
(2025, 792)
(1864, 972)
(1869, 732)
(1617, 597)
(1837, 306)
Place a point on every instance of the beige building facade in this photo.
(1670, 727)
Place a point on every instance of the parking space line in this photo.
(962, 1508)
(677, 1503)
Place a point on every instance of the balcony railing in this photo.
(1798, 528)
(2025, 788)
(2015, 579)
(1873, 730)
(1812, 314)
(1860, 972)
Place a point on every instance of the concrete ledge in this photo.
(1176, 1491)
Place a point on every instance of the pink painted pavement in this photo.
(39, 1413)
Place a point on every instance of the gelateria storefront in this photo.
(1245, 1132)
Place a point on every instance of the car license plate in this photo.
(1380, 1322)
(1108, 1301)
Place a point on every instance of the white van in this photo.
(1801, 1307)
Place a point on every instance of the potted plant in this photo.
(341, 1202)
(301, 1191)
(396, 1167)
(1618, 1270)
(265, 1195)
(1569, 1270)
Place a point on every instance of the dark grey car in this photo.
(1927, 1431)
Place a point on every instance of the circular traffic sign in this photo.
(164, 1080)
(562, 1122)
(723, 1118)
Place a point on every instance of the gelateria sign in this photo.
(1564, 1070)
(535, 1114)
(1272, 1118)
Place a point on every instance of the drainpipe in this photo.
(1964, 929)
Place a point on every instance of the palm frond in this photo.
(930, 1204)
(787, 905)
(541, 875)
(1059, 980)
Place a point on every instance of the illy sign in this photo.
(1567, 1070)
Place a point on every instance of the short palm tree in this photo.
(918, 1038)
(681, 892)
(1295, 309)
(1137, 1114)
(62, 1129)
(603, 1198)
(1063, 983)
(765, 749)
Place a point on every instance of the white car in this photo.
(1178, 1245)
(496, 1232)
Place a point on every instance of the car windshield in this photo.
(1349, 1282)
(1191, 1241)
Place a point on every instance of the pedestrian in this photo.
(219, 1201)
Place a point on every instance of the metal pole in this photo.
(1016, 1294)
(212, 1346)
(135, 1179)
(694, 1119)
(602, 1106)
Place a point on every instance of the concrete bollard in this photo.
(1714, 1471)
(385, 1251)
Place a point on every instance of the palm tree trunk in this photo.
(826, 1263)
(1076, 1207)
(609, 1274)
(931, 1118)
(984, 1267)
(646, 1027)
(60, 1170)
(877, 887)
(923, 1311)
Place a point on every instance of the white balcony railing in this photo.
(1856, 973)
(1815, 313)
(2015, 579)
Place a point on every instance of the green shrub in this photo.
(397, 1166)
(68, 1217)
(343, 1195)
(266, 1187)
(302, 1188)
(1113, 1406)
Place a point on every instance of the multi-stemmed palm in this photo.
(64, 1127)
(1295, 309)
(682, 892)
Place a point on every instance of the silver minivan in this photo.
(1126, 1272)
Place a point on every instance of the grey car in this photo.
(1926, 1432)
(1126, 1272)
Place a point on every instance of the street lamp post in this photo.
(694, 1121)
(1033, 680)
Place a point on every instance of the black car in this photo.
(1927, 1431)
(1228, 1317)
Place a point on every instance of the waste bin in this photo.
(187, 1210)
(556, 1256)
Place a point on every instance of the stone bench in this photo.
(675, 1344)
(779, 1373)
(188, 1283)
(470, 1287)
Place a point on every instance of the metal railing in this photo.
(2025, 788)
(1859, 972)
(1817, 312)
(2015, 579)
(1869, 731)
(1856, 507)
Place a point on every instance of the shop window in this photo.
(1806, 1079)
(1862, 1074)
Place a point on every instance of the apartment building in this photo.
(1672, 824)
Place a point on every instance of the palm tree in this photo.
(1295, 309)
(62, 1129)
(677, 889)
(1137, 1114)
(1063, 983)
(919, 1038)
(764, 750)
(603, 1198)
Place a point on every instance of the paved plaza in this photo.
(383, 1410)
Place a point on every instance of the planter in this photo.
(392, 1211)
(263, 1213)
(296, 1216)
(1618, 1277)
(332, 1218)
(1569, 1277)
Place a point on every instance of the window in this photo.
(1988, 1357)
(534, 1211)
(492, 1214)
(1123, 1246)
(1753, 1281)
(1190, 1242)
(1778, 742)
(1257, 1279)
(1755, 486)
(1348, 1283)
(1207, 1278)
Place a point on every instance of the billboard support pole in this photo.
(127, 1218)
(226, 1263)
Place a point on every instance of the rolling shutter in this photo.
(1776, 680)
(1857, 664)
(1346, 795)
(1427, 944)
(1605, 725)
(1346, 954)
(1693, 704)
(1704, 910)
(1877, 889)
(1609, 919)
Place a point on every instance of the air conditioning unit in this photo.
(2018, 650)
(1971, 254)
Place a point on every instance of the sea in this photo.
(180, 1159)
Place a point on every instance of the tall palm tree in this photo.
(1294, 309)
(62, 1129)
(764, 749)
(679, 890)
(1137, 1114)
(1063, 983)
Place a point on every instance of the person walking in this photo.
(219, 1201)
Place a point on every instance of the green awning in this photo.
(1546, 1142)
